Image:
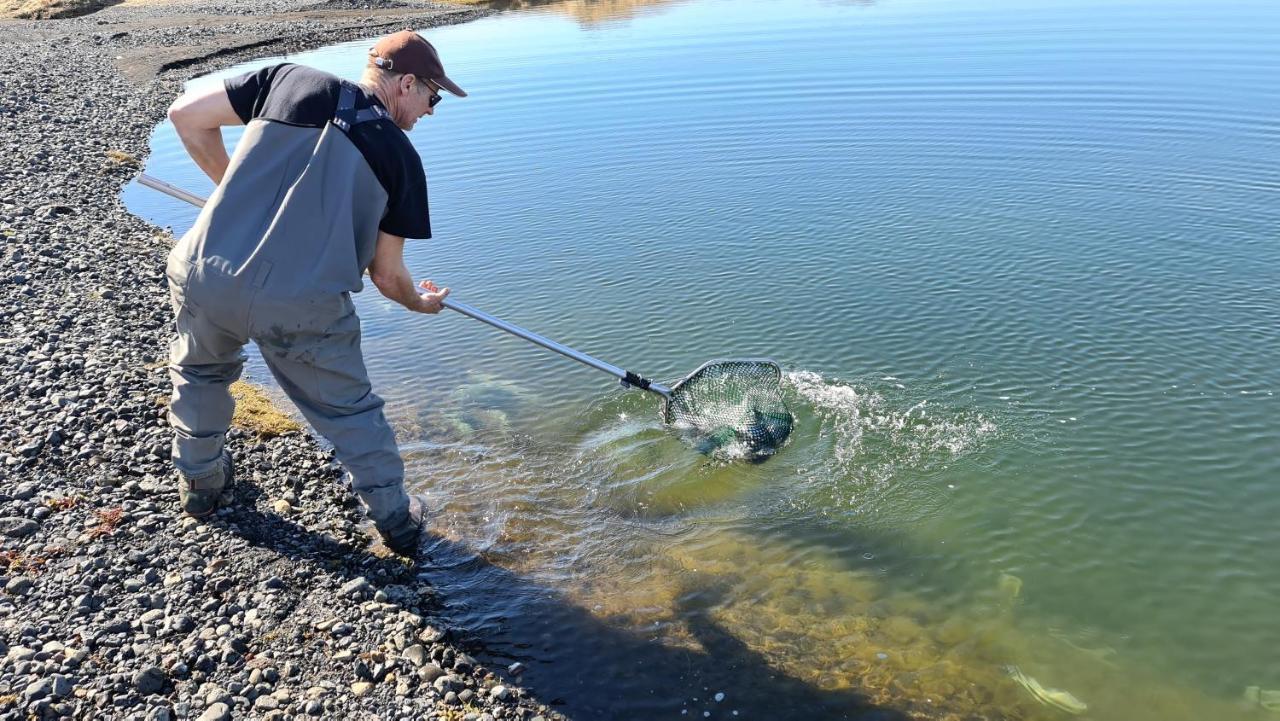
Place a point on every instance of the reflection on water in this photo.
(589, 13)
(1018, 263)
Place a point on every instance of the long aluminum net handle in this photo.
(163, 187)
(627, 377)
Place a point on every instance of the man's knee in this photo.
(205, 373)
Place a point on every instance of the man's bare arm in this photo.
(393, 280)
(198, 117)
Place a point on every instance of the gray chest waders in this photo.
(272, 259)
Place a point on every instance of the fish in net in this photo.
(732, 407)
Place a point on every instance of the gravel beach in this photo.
(114, 605)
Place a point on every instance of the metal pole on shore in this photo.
(173, 190)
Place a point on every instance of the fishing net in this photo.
(731, 406)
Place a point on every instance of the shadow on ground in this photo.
(593, 670)
(573, 660)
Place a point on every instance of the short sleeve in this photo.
(248, 92)
(407, 213)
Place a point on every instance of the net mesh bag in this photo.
(732, 407)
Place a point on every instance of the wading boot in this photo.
(402, 533)
(199, 496)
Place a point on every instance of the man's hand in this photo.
(432, 297)
(388, 273)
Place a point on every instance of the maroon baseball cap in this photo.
(409, 52)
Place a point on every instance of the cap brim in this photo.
(449, 85)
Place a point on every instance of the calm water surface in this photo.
(1020, 262)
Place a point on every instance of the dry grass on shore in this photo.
(256, 413)
(48, 9)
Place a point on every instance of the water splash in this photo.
(871, 435)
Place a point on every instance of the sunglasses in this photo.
(435, 93)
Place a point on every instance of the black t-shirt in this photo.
(306, 97)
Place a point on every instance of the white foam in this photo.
(906, 436)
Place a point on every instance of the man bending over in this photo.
(323, 186)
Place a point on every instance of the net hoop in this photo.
(731, 407)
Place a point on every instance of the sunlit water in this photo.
(1020, 263)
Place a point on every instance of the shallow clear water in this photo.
(1020, 263)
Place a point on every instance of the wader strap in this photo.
(346, 116)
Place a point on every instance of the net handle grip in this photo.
(627, 378)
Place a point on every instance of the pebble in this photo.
(355, 588)
(38, 689)
(62, 685)
(430, 673)
(416, 654)
(149, 680)
(18, 585)
(18, 527)
(266, 703)
(216, 712)
(216, 695)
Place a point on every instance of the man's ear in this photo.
(406, 83)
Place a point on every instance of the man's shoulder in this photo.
(387, 143)
(303, 78)
(286, 92)
(305, 72)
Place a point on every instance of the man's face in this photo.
(416, 101)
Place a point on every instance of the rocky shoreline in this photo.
(113, 605)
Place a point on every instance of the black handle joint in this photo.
(634, 380)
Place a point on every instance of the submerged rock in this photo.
(952, 631)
